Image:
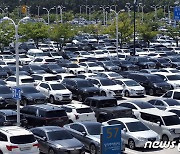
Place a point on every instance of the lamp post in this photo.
(61, 12)
(38, 7)
(104, 13)
(90, 7)
(128, 6)
(17, 61)
(117, 38)
(48, 11)
(142, 14)
(155, 9)
(134, 44)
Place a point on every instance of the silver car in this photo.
(134, 132)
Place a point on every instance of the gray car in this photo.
(89, 134)
(134, 132)
(57, 140)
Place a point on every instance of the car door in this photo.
(154, 120)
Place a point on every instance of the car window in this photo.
(128, 105)
(114, 122)
(67, 109)
(22, 139)
(36, 77)
(41, 133)
(160, 103)
(177, 95)
(84, 110)
(11, 79)
(74, 126)
(3, 137)
(168, 94)
(151, 118)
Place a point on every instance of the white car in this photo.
(32, 53)
(55, 91)
(169, 70)
(91, 67)
(17, 140)
(61, 76)
(134, 133)
(174, 94)
(99, 53)
(79, 113)
(172, 78)
(107, 87)
(131, 87)
(109, 75)
(8, 59)
(45, 47)
(24, 59)
(44, 60)
(74, 69)
(23, 80)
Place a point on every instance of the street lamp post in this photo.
(134, 44)
(38, 7)
(104, 13)
(128, 6)
(155, 9)
(117, 38)
(91, 7)
(17, 61)
(48, 11)
(61, 12)
(142, 9)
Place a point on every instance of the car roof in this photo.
(88, 123)
(8, 112)
(49, 128)
(75, 106)
(76, 79)
(46, 107)
(45, 74)
(157, 112)
(99, 98)
(126, 120)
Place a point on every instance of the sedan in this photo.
(134, 132)
(54, 140)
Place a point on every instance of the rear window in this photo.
(52, 78)
(107, 103)
(27, 80)
(22, 139)
(55, 113)
(84, 110)
(13, 117)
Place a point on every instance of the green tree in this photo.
(36, 31)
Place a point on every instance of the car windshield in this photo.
(143, 60)
(59, 135)
(92, 64)
(73, 66)
(114, 75)
(22, 139)
(57, 87)
(84, 110)
(171, 120)
(162, 60)
(172, 102)
(50, 60)
(27, 80)
(5, 90)
(131, 83)
(107, 82)
(173, 77)
(144, 105)
(23, 56)
(136, 126)
(155, 79)
(84, 84)
(51, 78)
(94, 129)
(29, 90)
(175, 111)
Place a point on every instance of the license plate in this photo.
(25, 148)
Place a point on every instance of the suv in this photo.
(153, 84)
(42, 114)
(16, 139)
(9, 117)
(106, 108)
(80, 88)
(166, 124)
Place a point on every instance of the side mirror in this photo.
(124, 129)
(159, 123)
(44, 138)
(84, 133)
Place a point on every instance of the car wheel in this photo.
(51, 151)
(131, 144)
(92, 149)
(165, 138)
(51, 99)
(151, 92)
(80, 98)
(103, 93)
(126, 94)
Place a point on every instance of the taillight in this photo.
(11, 147)
(36, 145)
(76, 116)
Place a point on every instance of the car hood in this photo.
(6, 95)
(113, 87)
(66, 91)
(163, 85)
(35, 96)
(144, 134)
(69, 143)
(136, 87)
(96, 68)
(58, 70)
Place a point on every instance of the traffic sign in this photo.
(111, 139)
(16, 93)
(177, 13)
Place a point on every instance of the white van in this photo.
(166, 124)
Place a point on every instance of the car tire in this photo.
(131, 144)
(51, 99)
(165, 138)
(92, 149)
(126, 93)
(51, 151)
(80, 98)
(151, 92)
(103, 93)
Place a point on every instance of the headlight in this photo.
(132, 90)
(58, 94)
(141, 138)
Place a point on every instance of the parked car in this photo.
(133, 132)
(109, 75)
(44, 114)
(53, 68)
(53, 139)
(74, 68)
(106, 108)
(55, 91)
(80, 88)
(126, 65)
(89, 134)
(109, 66)
(33, 69)
(91, 67)
(16, 139)
(174, 94)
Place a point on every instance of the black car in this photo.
(6, 100)
(44, 114)
(109, 66)
(54, 140)
(33, 69)
(11, 70)
(126, 65)
(9, 118)
(80, 88)
(160, 62)
(3, 73)
(142, 62)
(53, 68)
(2, 82)
(175, 62)
(106, 108)
(30, 95)
(153, 84)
